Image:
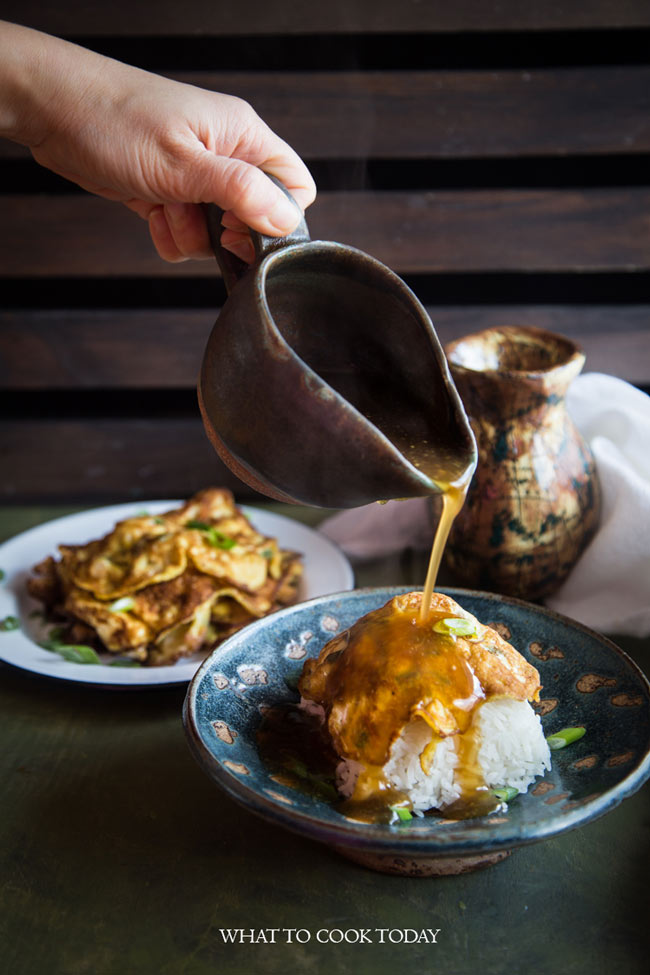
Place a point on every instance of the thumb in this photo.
(248, 193)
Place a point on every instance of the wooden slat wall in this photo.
(336, 16)
(600, 109)
(422, 233)
(86, 349)
(459, 143)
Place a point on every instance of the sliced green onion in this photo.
(2, 574)
(124, 662)
(122, 605)
(403, 814)
(298, 768)
(215, 537)
(505, 794)
(321, 784)
(73, 653)
(560, 739)
(219, 540)
(456, 626)
(267, 553)
(9, 623)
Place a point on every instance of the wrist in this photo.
(42, 80)
(22, 53)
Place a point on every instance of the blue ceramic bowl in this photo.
(586, 680)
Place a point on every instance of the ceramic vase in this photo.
(534, 502)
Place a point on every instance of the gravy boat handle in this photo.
(232, 267)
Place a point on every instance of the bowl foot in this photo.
(422, 866)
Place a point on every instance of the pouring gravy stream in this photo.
(372, 800)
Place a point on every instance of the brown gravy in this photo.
(453, 500)
(399, 658)
(297, 747)
(450, 473)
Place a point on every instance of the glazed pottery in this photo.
(586, 680)
(322, 373)
(534, 502)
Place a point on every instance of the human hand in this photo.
(160, 147)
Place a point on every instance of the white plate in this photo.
(326, 570)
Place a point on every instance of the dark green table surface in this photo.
(118, 855)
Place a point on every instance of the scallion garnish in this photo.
(122, 605)
(505, 794)
(322, 785)
(456, 626)
(560, 739)
(75, 653)
(402, 813)
(2, 574)
(9, 623)
(79, 653)
(215, 537)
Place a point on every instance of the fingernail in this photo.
(285, 216)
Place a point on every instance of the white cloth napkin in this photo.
(609, 587)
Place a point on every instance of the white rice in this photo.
(512, 753)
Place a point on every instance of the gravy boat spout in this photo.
(323, 381)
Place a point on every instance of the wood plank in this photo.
(450, 114)
(443, 114)
(102, 348)
(413, 232)
(106, 460)
(338, 16)
(154, 349)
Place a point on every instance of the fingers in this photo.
(255, 200)
(179, 232)
(232, 222)
(292, 173)
(239, 244)
(236, 237)
(162, 237)
(262, 148)
(248, 194)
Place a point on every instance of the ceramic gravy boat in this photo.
(323, 381)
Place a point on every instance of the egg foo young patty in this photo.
(161, 587)
(426, 715)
